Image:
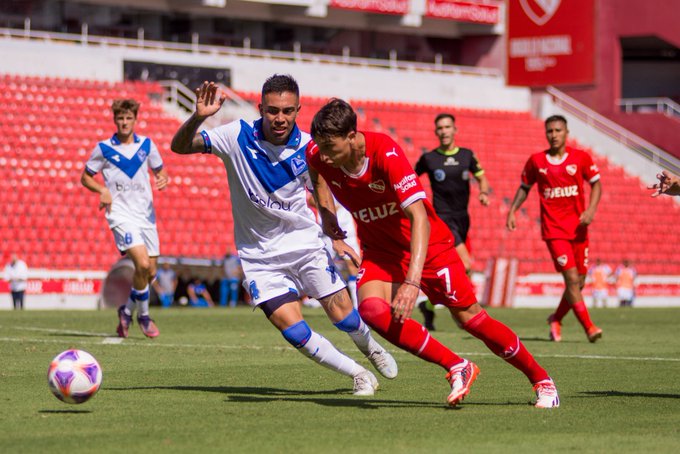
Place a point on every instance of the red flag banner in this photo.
(551, 42)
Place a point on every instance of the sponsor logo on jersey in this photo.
(571, 169)
(125, 187)
(406, 183)
(367, 215)
(451, 161)
(268, 202)
(336, 183)
(562, 260)
(439, 175)
(116, 158)
(543, 171)
(391, 153)
(452, 296)
(377, 186)
(559, 192)
(360, 274)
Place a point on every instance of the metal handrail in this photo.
(664, 106)
(615, 131)
(195, 47)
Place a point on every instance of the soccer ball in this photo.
(74, 376)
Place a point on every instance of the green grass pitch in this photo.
(225, 381)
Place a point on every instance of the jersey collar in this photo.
(449, 152)
(293, 140)
(115, 141)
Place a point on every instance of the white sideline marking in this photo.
(53, 330)
(133, 343)
(112, 340)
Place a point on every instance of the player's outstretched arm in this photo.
(407, 293)
(668, 184)
(520, 197)
(325, 204)
(209, 100)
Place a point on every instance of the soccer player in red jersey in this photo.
(560, 173)
(405, 248)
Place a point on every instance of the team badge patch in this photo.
(571, 169)
(298, 165)
(253, 290)
(562, 260)
(540, 11)
(439, 175)
(128, 238)
(377, 186)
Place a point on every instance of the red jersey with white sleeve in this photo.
(560, 189)
(377, 195)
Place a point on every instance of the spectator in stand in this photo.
(450, 169)
(198, 293)
(560, 172)
(668, 184)
(600, 276)
(165, 284)
(625, 283)
(126, 196)
(16, 273)
(230, 287)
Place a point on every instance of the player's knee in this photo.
(375, 311)
(350, 323)
(298, 334)
(143, 268)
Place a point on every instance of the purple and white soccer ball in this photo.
(74, 376)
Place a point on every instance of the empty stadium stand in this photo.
(51, 125)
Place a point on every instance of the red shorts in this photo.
(568, 254)
(444, 280)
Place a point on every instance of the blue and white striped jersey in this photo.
(267, 184)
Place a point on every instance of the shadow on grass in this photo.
(613, 393)
(545, 339)
(65, 411)
(266, 395)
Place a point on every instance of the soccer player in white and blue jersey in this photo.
(279, 243)
(124, 162)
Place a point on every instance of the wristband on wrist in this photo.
(413, 283)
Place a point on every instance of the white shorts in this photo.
(127, 235)
(600, 294)
(625, 294)
(312, 274)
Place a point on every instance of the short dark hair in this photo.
(279, 83)
(122, 105)
(552, 118)
(444, 115)
(335, 119)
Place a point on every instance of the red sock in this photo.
(561, 310)
(582, 315)
(410, 336)
(504, 342)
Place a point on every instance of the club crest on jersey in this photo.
(571, 169)
(360, 274)
(298, 165)
(377, 186)
(540, 11)
(562, 260)
(439, 175)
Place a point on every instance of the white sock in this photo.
(320, 350)
(363, 340)
(130, 307)
(142, 299)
